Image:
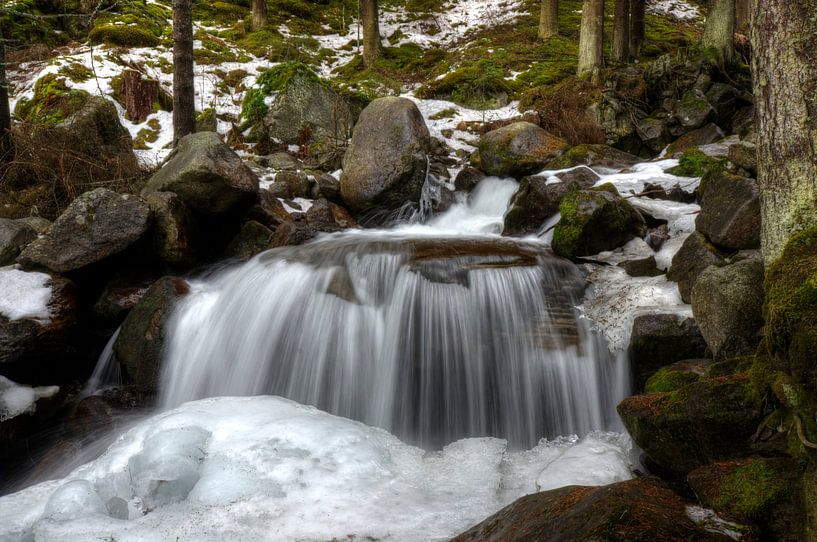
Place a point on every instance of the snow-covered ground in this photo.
(24, 294)
(675, 8)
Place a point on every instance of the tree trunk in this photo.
(621, 31)
(742, 8)
(259, 14)
(371, 32)
(637, 30)
(719, 32)
(184, 108)
(784, 41)
(5, 112)
(591, 36)
(549, 19)
(139, 94)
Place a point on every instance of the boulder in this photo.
(96, 225)
(38, 224)
(208, 176)
(695, 255)
(518, 149)
(95, 130)
(730, 211)
(724, 100)
(290, 184)
(702, 136)
(679, 374)
(253, 239)
(728, 306)
(329, 187)
(280, 161)
(142, 335)
(744, 155)
(325, 216)
(643, 509)
(658, 340)
(173, 228)
(593, 221)
(468, 178)
(593, 155)
(642, 267)
(693, 111)
(653, 133)
(292, 233)
(705, 421)
(15, 235)
(386, 163)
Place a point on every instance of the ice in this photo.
(24, 294)
(16, 399)
(710, 521)
(269, 468)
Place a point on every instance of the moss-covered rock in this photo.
(593, 155)
(123, 36)
(518, 149)
(478, 85)
(53, 101)
(676, 376)
(695, 255)
(593, 221)
(694, 163)
(702, 136)
(693, 111)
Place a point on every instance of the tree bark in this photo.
(621, 31)
(784, 41)
(184, 108)
(5, 111)
(549, 19)
(742, 8)
(719, 32)
(591, 36)
(259, 14)
(637, 30)
(139, 94)
(371, 32)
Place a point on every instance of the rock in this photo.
(724, 100)
(754, 489)
(594, 221)
(120, 295)
(142, 335)
(328, 217)
(643, 509)
(208, 176)
(695, 255)
(675, 193)
(518, 149)
(207, 121)
(659, 340)
(730, 211)
(15, 235)
(693, 111)
(253, 239)
(583, 176)
(386, 163)
(468, 178)
(702, 136)
(643, 267)
(329, 188)
(598, 155)
(679, 374)
(728, 304)
(95, 130)
(744, 155)
(656, 237)
(270, 212)
(96, 225)
(292, 233)
(653, 133)
(290, 184)
(173, 230)
(705, 421)
(280, 161)
(38, 224)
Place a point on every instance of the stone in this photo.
(292, 233)
(142, 335)
(693, 111)
(173, 229)
(642, 267)
(38, 224)
(695, 255)
(15, 235)
(594, 155)
(639, 510)
(280, 161)
(730, 211)
(386, 163)
(695, 138)
(724, 100)
(329, 187)
(518, 149)
(743, 154)
(95, 130)
(290, 184)
(468, 178)
(728, 305)
(679, 374)
(658, 340)
(95, 226)
(209, 177)
(325, 216)
(653, 133)
(253, 239)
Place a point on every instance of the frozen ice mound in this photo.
(266, 468)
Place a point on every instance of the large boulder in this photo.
(659, 340)
(696, 138)
(173, 230)
(695, 255)
(142, 335)
(643, 509)
(386, 163)
(15, 235)
(96, 225)
(518, 149)
(679, 374)
(210, 178)
(730, 211)
(593, 155)
(705, 421)
(653, 133)
(743, 155)
(95, 130)
(728, 306)
(593, 221)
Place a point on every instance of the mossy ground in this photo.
(695, 163)
(52, 102)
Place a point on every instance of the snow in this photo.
(16, 399)
(713, 523)
(679, 9)
(24, 295)
(268, 468)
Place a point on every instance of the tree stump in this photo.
(139, 95)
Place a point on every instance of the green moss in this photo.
(219, 13)
(147, 135)
(76, 72)
(273, 80)
(695, 163)
(123, 36)
(669, 379)
(750, 489)
(478, 85)
(444, 114)
(52, 102)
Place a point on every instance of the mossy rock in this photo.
(594, 155)
(478, 85)
(676, 376)
(53, 101)
(121, 35)
(518, 149)
(695, 255)
(694, 163)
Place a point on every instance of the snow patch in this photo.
(678, 9)
(24, 294)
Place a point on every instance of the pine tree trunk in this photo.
(637, 30)
(719, 32)
(784, 41)
(5, 112)
(621, 31)
(184, 107)
(259, 14)
(549, 19)
(591, 36)
(371, 32)
(742, 8)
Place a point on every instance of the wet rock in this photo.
(642, 267)
(656, 237)
(693, 111)
(253, 239)
(292, 233)
(120, 294)
(534, 202)
(643, 509)
(96, 225)
(695, 255)
(744, 155)
(208, 176)
(659, 340)
(593, 221)
(705, 421)
(702, 136)
(329, 187)
(675, 193)
(583, 176)
(15, 235)
(518, 149)
(468, 178)
(291, 184)
(596, 155)
(173, 228)
(270, 211)
(142, 335)
(325, 216)
(386, 163)
(728, 304)
(730, 211)
(679, 374)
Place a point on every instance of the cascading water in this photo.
(435, 332)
